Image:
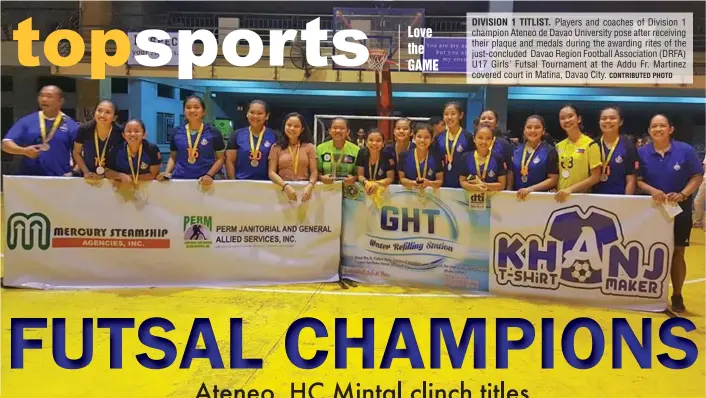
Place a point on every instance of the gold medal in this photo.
(486, 162)
(134, 171)
(100, 155)
(606, 162)
(565, 174)
(450, 151)
(604, 177)
(255, 153)
(525, 162)
(420, 176)
(43, 128)
(193, 148)
(524, 179)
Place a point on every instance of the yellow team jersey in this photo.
(576, 160)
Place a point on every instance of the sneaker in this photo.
(678, 304)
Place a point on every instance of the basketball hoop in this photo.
(377, 57)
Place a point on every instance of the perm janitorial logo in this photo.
(29, 231)
(197, 231)
(34, 231)
(582, 250)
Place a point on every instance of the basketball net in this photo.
(377, 57)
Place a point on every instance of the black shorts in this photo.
(682, 228)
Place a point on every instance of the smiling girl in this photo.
(249, 148)
(95, 140)
(535, 164)
(293, 158)
(403, 143)
(420, 167)
(618, 154)
(375, 168)
(196, 148)
(453, 143)
(136, 159)
(579, 157)
(336, 158)
(482, 170)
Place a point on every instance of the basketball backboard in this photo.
(386, 29)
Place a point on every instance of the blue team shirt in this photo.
(240, 142)
(545, 161)
(86, 138)
(210, 142)
(57, 160)
(385, 163)
(504, 149)
(389, 150)
(672, 172)
(622, 164)
(495, 166)
(408, 167)
(117, 159)
(463, 145)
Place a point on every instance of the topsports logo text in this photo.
(152, 41)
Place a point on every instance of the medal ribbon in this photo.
(255, 149)
(295, 159)
(100, 155)
(194, 147)
(478, 164)
(606, 165)
(135, 176)
(373, 174)
(397, 153)
(426, 165)
(450, 153)
(43, 126)
(524, 170)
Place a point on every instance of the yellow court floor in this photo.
(268, 311)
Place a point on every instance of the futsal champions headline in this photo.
(160, 43)
(623, 344)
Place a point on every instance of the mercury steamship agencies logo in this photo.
(34, 231)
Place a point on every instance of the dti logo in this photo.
(28, 230)
(584, 250)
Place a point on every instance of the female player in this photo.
(196, 148)
(420, 167)
(95, 139)
(249, 148)
(403, 143)
(579, 157)
(336, 158)
(670, 171)
(452, 143)
(482, 170)
(501, 142)
(375, 168)
(618, 154)
(535, 164)
(134, 160)
(293, 158)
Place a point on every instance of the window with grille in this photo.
(165, 123)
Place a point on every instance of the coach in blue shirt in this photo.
(670, 171)
(44, 138)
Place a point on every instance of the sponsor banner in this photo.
(405, 238)
(611, 251)
(64, 232)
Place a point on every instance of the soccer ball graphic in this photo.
(581, 270)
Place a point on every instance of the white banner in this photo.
(610, 251)
(63, 232)
(172, 43)
(435, 239)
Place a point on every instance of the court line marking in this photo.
(447, 295)
(379, 294)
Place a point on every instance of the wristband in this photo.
(284, 186)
